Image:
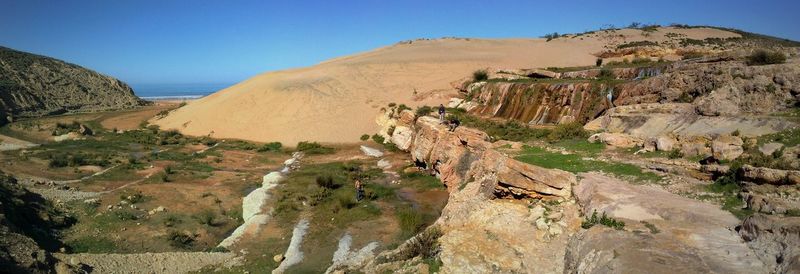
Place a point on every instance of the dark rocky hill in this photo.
(34, 85)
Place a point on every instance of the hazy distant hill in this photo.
(35, 85)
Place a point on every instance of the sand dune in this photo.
(336, 101)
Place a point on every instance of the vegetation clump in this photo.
(480, 75)
(364, 137)
(270, 147)
(314, 148)
(425, 244)
(565, 131)
(423, 111)
(602, 220)
(378, 139)
(765, 57)
(180, 239)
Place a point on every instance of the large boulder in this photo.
(769, 148)
(776, 241)
(694, 146)
(616, 139)
(465, 154)
(763, 175)
(727, 147)
(720, 102)
(663, 233)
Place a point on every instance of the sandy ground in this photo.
(336, 101)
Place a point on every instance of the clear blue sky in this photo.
(228, 41)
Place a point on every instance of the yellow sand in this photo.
(337, 101)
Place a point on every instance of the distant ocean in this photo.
(175, 91)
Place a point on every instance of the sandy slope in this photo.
(337, 100)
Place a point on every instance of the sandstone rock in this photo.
(616, 139)
(665, 143)
(726, 147)
(402, 137)
(694, 237)
(384, 164)
(771, 176)
(694, 146)
(775, 240)
(278, 258)
(372, 152)
(85, 131)
(455, 102)
(719, 102)
(769, 148)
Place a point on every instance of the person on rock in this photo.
(359, 190)
(441, 113)
(454, 123)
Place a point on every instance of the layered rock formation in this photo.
(465, 155)
(776, 240)
(664, 233)
(34, 85)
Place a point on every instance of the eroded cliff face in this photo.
(541, 103)
(34, 85)
(714, 87)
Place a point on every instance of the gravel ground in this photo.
(168, 262)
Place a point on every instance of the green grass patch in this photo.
(602, 220)
(91, 244)
(577, 163)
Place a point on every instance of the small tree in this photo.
(598, 62)
(480, 75)
(765, 57)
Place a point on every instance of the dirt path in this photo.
(167, 262)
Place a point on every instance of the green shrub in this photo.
(314, 148)
(765, 57)
(606, 74)
(180, 239)
(206, 217)
(364, 137)
(423, 111)
(346, 200)
(425, 245)
(598, 62)
(273, 146)
(410, 220)
(390, 130)
(327, 181)
(793, 212)
(551, 36)
(165, 177)
(125, 215)
(603, 220)
(565, 131)
(172, 220)
(378, 139)
(675, 153)
(480, 75)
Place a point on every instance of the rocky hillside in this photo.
(35, 85)
(26, 229)
(710, 87)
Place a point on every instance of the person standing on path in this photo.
(441, 113)
(359, 190)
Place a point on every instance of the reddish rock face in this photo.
(465, 155)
